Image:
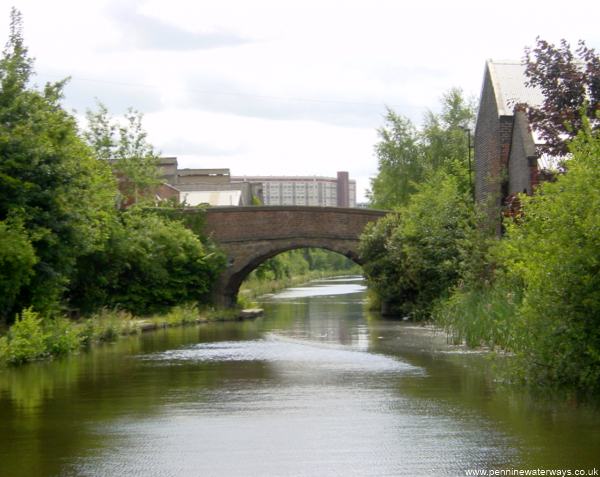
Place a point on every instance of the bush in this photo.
(413, 257)
(555, 250)
(480, 315)
(149, 264)
(543, 301)
(61, 337)
(26, 339)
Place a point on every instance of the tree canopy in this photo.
(407, 156)
(50, 181)
(124, 145)
(570, 84)
(63, 241)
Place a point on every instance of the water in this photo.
(315, 388)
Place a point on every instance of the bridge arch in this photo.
(270, 250)
(251, 235)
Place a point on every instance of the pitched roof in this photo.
(508, 79)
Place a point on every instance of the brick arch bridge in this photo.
(251, 235)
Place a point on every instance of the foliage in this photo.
(25, 341)
(445, 138)
(45, 172)
(149, 263)
(481, 314)
(407, 156)
(193, 218)
(541, 299)
(17, 259)
(31, 338)
(400, 163)
(570, 83)
(300, 262)
(124, 144)
(413, 257)
(555, 250)
(61, 337)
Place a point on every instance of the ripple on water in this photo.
(281, 349)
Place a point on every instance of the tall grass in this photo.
(483, 316)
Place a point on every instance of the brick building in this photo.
(506, 160)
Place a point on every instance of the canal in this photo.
(317, 387)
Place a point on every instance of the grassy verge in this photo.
(34, 337)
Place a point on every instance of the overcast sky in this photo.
(281, 87)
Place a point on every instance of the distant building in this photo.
(207, 186)
(217, 187)
(317, 191)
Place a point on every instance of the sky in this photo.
(268, 87)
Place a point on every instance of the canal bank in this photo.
(34, 337)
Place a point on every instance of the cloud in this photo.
(82, 95)
(147, 32)
(179, 146)
(256, 146)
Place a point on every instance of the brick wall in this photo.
(492, 145)
(522, 166)
(486, 143)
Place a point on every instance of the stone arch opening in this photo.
(241, 271)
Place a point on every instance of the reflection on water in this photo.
(316, 387)
(332, 287)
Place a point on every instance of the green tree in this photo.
(148, 264)
(124, 145)
(49, 178)
(400, 162)
(17, 259)
(445, 137)
(413, 257)
(408, 156)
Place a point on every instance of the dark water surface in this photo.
(315, 388)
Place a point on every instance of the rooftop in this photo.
(203, 172)
(508, 78)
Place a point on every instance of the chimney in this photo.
(343, 191)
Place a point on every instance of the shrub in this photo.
(480, 315)
(555, 250)
(61, 337)
(26, 339)
(149, 264)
